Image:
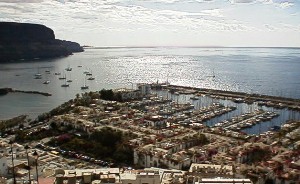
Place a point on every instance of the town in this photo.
(152, 135)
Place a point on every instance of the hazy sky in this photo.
(163, 22)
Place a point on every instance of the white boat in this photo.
(69, 69)
(46, 82)
(38, 74)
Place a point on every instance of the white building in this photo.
(140, 178)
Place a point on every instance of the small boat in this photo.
(84, 85)
(91, 78)
(68, 69)
(63, 77)
(57, 73)
(86, 72)
(46, 82)
(194, 98)
(65, 85)
(70, 80)
(38, 77)
(275, 128)
(89, 73)
(79, 66)
(47, 71)
(38, 74)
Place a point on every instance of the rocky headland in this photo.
(24, 41)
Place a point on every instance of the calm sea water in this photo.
(272, 71)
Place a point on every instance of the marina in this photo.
(229, 110)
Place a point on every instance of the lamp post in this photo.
(36, 155)
(12, 160)
(28, 167)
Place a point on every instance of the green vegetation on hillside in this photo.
(106, 144)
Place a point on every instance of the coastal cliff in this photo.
(22, 41)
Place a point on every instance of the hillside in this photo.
(23, 41)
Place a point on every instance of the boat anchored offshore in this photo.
(84, 85)
(70, 80)
(63, 77)
(65, 84)
(91, 78)
(46, 82)
(68, 68)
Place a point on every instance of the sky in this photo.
(232, 23)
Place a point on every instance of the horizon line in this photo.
(120, 47)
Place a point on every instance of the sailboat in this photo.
(46, 82)
(38, 75)
(213, 74)
(63, 77)
(91, 78)
(65, 84)
(84, 85)
(68, 68)
(70, 80)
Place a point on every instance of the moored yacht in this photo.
(65, 85)
(84, 84)
(91, 78)
(46, 82)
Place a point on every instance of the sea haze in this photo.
(272, 71)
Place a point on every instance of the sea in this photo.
(270, 71)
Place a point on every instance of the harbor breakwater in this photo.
(4, 91)
(238, 97)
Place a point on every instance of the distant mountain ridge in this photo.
(24, 41)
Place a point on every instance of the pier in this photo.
(4, 91)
